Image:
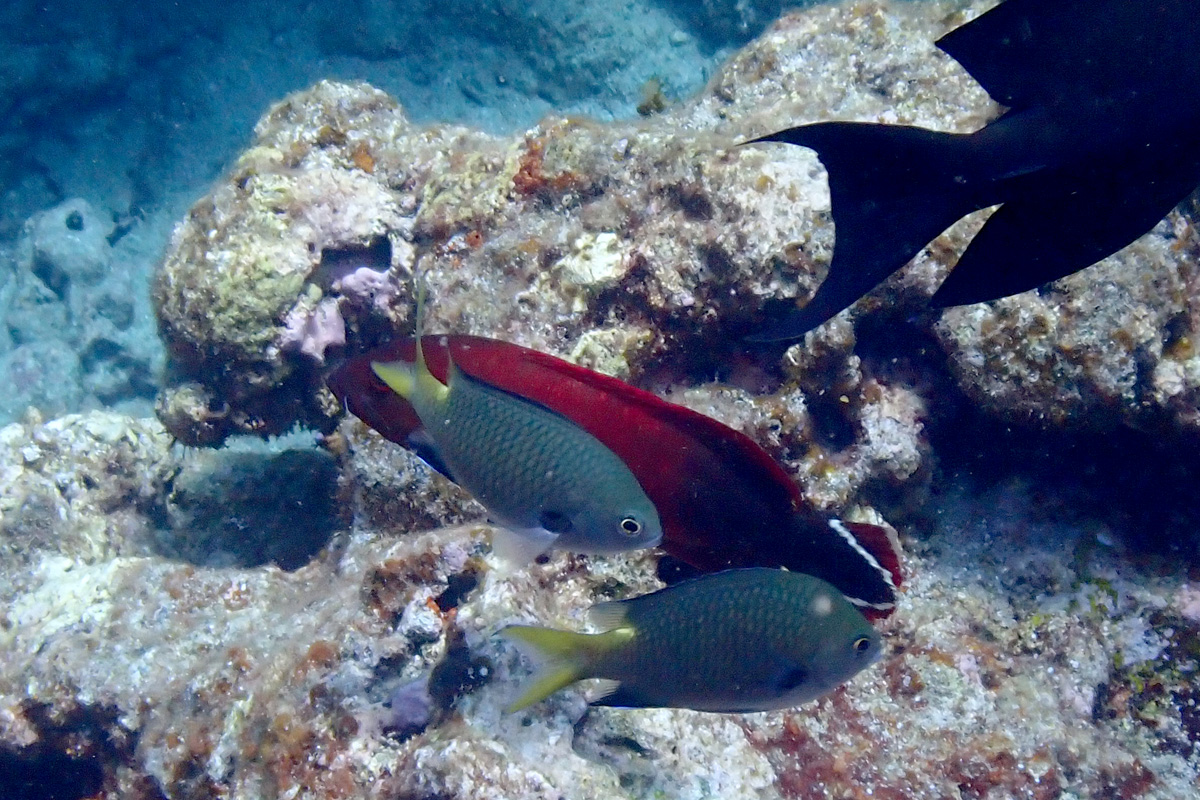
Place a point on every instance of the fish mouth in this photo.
(878, 655)
(622, 547)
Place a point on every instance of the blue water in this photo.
(137, 107)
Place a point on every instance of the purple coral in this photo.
(313, 331)
(367, 286)
(411, 708)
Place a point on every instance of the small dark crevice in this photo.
(54, 278)
(834, 426)
(38, 773)
(249, 509)
(338, 262)
(692, 199)
(76, 755)
(458, 587)
(458, 673)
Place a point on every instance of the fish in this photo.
(537, 473)
(734, 641)
(722, 501)
(1100, 139)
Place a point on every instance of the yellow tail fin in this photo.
(568, 657)
(398, 375)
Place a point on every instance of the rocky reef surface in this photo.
(1028, 658)
(646, 249)
(77, 327)
(287, 620)
(642, 248)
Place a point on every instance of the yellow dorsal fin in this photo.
(414, 381)
(398, 375)
(426, 383)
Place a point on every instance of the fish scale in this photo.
(520, 473)
(734, 609)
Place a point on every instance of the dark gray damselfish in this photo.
(1100, 140)
(740, 640)
(538, 474)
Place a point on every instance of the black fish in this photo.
(1100, 140)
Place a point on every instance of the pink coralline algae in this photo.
(313, 332)
(368, 286)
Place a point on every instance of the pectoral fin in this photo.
(427, 450)
(555, 520)
(518, 549)
(789, 678)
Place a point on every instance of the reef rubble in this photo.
(1028, 659)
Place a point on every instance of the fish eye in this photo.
(630, 526)
(861, 645)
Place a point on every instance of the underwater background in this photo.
(217, 584)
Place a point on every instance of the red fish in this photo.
(722, 500)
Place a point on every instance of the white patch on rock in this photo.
(596, 260)
(70, 594)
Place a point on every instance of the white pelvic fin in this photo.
(516, 550)
(608, 616)
(605, 687)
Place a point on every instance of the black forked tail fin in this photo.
(893, 189)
